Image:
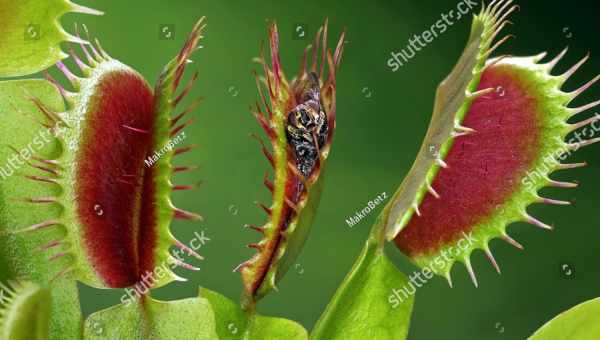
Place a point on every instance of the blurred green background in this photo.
(382, 118)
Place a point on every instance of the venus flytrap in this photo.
(530, 117)
(494, 120)
(454, 97)
(299, 120)
(145, 317)
(365, 292)
(298, 117)
(100, 215)
(106, 217)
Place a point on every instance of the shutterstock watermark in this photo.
(22, 156)
(150, 277)
(419, 41)
(420, 278)
(553, 159)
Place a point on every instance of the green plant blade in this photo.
(150, 319)
(234, 323)
(25, 314)
(30, 34)
(581, 322)
(367, 304)
(28, 255)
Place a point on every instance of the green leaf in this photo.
(25, 314)
(150, 319)
(368, 304)
(31, 34)
(578, 323)
(234, 323)
(21, 251)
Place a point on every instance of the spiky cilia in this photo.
(299, 119)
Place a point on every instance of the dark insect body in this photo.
(307, 128)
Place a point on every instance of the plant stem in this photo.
(361, 307)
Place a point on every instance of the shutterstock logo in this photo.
(419, 41)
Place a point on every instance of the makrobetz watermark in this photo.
(359, 215)
(152, 159)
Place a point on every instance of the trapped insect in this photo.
(307, 128)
